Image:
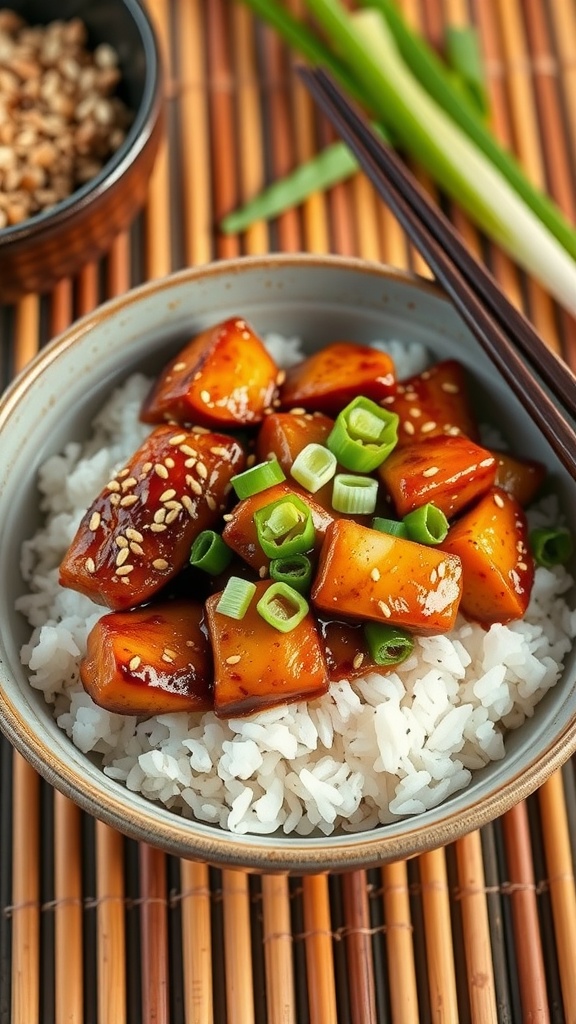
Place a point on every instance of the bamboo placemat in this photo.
(95, 928)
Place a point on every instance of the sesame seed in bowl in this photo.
(80, 125)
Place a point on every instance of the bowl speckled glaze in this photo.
(54, 399)
(35, 253)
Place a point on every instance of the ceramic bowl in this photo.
(54, 399)
(35, 253)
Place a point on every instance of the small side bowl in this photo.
(54, 400)
(35, 253)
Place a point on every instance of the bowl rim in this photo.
(118, 163)
(175, 834)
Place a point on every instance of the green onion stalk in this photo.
(404, 86)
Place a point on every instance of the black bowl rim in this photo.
(114, 168)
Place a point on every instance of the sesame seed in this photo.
(409, 427)
(122, 556)
(431, 471)
(499, 501)
(217, 449)
(160, 515)
(166, 657)
(112, 485)
(95, 520)
(173, 504)
(433, 576)
(125, 570)
(189, 463)
(169, 462)
(358, 659)
(375, 574)
(134, 663)
(276, 403)
(114, 499)
(160, 563)
(415, 412)
(522, 565)
(199, 430)
(197, 375)
(157, 528)
(129, 482)
(201, 470)
(170, 652)
(178, 366)
(233, 659)
(161, 471)
(133, 534)
(441, 569)
(427, 427)
(172, 515)
(135, 548)
(280, 377)
(89, 565)
(188, 505)
(205, 396)
(384, 609)
(487, 462)
(451, 389)
(146, 467)
(177, 439)
(453, 431)
(210, 501)
(187, 450)
(124, 580)
(519, 547)
(190, 643)
(194, 485)
(299, 411)
(128, 500)
(123, 472)
(228, 517)
(166, 495)
(121, 542)
(263, 572)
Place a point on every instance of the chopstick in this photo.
(501, 329)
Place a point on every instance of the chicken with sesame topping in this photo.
(491, 540)
(150, 661)
(165, 513)
(223, 378)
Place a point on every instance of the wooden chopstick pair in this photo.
(503, 331)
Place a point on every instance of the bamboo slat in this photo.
(438, 934)
(280, 995)
(399, 945)
(237, 948)
(530, 962)
(319, 960)
(194, 132)
(561, 874)
(25, 894)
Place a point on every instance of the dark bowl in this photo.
(52, 244)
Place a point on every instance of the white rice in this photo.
(369, 751)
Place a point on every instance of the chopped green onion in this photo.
(551, 546)
(210, 553)
(426, 525)
(354, 495)
(258, 478)
(282, 607)
(396, 528)
(285, 527)
(387, 644)
(296, 571)
(236, 597)
(363, 435)
(313, 467)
